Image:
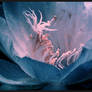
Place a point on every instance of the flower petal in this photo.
(81, 73)
(41, 71)
(11, 74)
(79, 64)
(6, 40)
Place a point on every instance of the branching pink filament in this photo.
(42, 48)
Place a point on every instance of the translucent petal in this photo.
(19, 29)
(70, 14)
(78, 30)
(6, 39)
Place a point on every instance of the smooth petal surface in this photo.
(11, 74)
(41, 71)
(6, 41)
(81, 73)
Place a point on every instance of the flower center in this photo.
(42, 48)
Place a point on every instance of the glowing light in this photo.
(88, 5)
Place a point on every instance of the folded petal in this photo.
(12, 74)
(41, 71)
